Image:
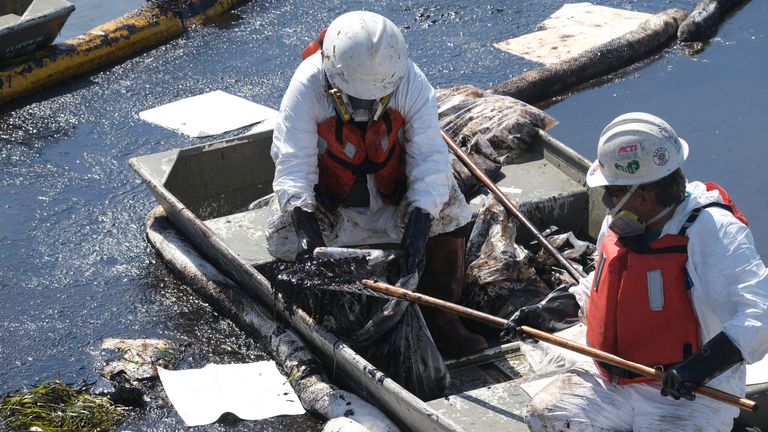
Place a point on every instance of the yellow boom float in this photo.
(147, 27)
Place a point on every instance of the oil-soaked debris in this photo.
(482, 154)
(320, 286)
(128, 370)
(55, 406)
(580, 254)
(401, 348)
(138, 358)
(500, 275)
(508, 125)
(503, 276)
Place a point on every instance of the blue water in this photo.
(91, 13)
(74, 264)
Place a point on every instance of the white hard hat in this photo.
(636, 148)
(364, 55)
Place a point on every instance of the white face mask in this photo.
(625, 223)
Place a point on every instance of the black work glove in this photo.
(714, 358)
(558, 311)
(307, 232)
(413, 244)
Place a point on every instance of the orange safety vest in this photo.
(350, 153)
(314, 46)
(639, 307)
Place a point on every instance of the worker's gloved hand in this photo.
(307, 232)
(413, 244)
(714, 358)
(558, 311)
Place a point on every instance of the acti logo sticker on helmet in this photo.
(632, 167)
(661, 156)
(631, 151)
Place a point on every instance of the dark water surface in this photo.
(75, 267)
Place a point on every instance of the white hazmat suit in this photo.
(296, 150)
(729, 294)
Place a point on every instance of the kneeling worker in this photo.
(678, 285)
(360, 160)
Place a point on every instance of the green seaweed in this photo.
(56, 407)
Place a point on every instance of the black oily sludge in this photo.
(328, 290)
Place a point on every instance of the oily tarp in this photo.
(477, 118)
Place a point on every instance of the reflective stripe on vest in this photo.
(639, 307)
(350, 153)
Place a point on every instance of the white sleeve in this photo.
(294, 142)
(733, 281)
(583, 289)
(427, 161)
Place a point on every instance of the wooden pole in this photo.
(404, 294)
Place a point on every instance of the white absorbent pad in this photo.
(571, 30)
(208, 114)
(251, 391)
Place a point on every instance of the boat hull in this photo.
(35, 29)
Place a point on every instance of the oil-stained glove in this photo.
(413, 244)
(307, 232)
(558, 311)
(714, 358)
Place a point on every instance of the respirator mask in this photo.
(625, 223)
(359, 110)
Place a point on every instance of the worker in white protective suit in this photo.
(360, 160)
(678, 285)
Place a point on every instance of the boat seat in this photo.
(9, 19)
(542, 191)
(487, 408)
(245, 234)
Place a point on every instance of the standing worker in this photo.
(360, 160)
(678, 285)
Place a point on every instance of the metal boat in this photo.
(205, 191)
(28, 25)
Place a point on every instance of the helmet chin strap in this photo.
(613, 211)
(660, 215)
(624, 199)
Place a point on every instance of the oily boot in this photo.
(443, 278)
